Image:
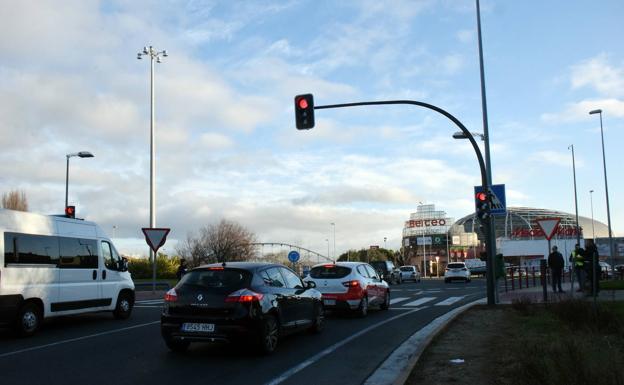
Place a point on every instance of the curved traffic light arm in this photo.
(431, 107)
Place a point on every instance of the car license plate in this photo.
(198, 328)
(329, 302)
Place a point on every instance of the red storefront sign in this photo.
(561, 232)
(425, 222)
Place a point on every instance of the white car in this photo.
(456, 271)
(353, 286)
(410, 273)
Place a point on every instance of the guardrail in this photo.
(525, 277)
(142, 286)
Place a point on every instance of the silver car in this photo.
(353, 286)
(456, 271)
(410, 273)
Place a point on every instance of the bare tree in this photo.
(15, 200)
(223, 242)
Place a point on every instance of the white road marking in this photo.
(149, 302)
(420, 301)
(398, 299)
(289, 373)
(77, 339)
(147, 306)
(449, 301)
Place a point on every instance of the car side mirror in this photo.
(310, 285)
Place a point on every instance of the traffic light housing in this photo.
(304, 111)
(482, 202)
(70, 211)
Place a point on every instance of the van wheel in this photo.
(269, 335)
(124, 306)
(28, 320)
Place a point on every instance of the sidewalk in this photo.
(536, 295)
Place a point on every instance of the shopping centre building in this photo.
(430, 237)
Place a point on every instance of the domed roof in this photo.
(523, 218)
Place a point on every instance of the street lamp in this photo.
(604, 165)
(385, 242)
(578, 232)
(461, 135)
(327, 240)
(591, 202)
(81, 154)
(153, 54)
(334, 226)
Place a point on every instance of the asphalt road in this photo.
(96, 349)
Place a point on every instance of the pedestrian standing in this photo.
(556, 262)
(593, 267)
(181, 269)
(577, 257)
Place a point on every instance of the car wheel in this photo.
(319, 320)
(178, 346)
(386, 304)
(28, 319)
(269, 335)
(123, 309)
(362, 310)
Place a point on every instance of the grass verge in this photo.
(612, 285)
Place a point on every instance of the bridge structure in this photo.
(280, 250)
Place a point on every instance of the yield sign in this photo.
(155, 237)
(549, 226)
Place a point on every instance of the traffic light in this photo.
(482, 201)
(304, 111)
(70, 211)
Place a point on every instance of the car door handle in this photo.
(94, 275)
(103, 274)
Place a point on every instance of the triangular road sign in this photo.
(549, 226)
(155, 237)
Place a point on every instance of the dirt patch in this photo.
(479, 338)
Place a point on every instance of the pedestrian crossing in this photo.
(401, 301)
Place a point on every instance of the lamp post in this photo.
(81, 154)
(385, 242)
(153, 55)
(604, 165)
(591, 202)
(334, 226)
(327, 240)
(578, 232)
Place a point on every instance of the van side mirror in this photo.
(123, 264)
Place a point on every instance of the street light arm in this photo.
(459, 124)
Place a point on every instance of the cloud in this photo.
(575, 112)
(599, 74)
(547, 157)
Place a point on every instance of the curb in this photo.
(397, 367)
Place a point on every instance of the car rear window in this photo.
(330, 271)
(380, 265)
(218, 280)
(405, 268)
(456, 265)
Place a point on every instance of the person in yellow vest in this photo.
(577, 258)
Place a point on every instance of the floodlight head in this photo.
(145, 51)
(595, 112)
(165, 54)
(158, 60)
(85, 154)
(459, 135)
(139, 55)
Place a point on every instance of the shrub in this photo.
(166, 267)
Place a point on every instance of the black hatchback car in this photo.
(239, 301)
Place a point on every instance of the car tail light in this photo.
(216, 268)
(355, 289)
(350, 284)
(244, 295)
(171, 296)
(329, 266)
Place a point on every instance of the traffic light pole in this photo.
(485, 180)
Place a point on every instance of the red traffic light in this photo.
(70, 211)
(481, 196)
(303, 103)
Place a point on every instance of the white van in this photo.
(53, 266)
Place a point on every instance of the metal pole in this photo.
(334, 225)
(66, 183)
(152, 167)
(578, 230)
(604, 165)
(490, 230)
(591, 202)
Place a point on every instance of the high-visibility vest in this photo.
(578, 259)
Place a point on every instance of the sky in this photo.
(226, 142)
